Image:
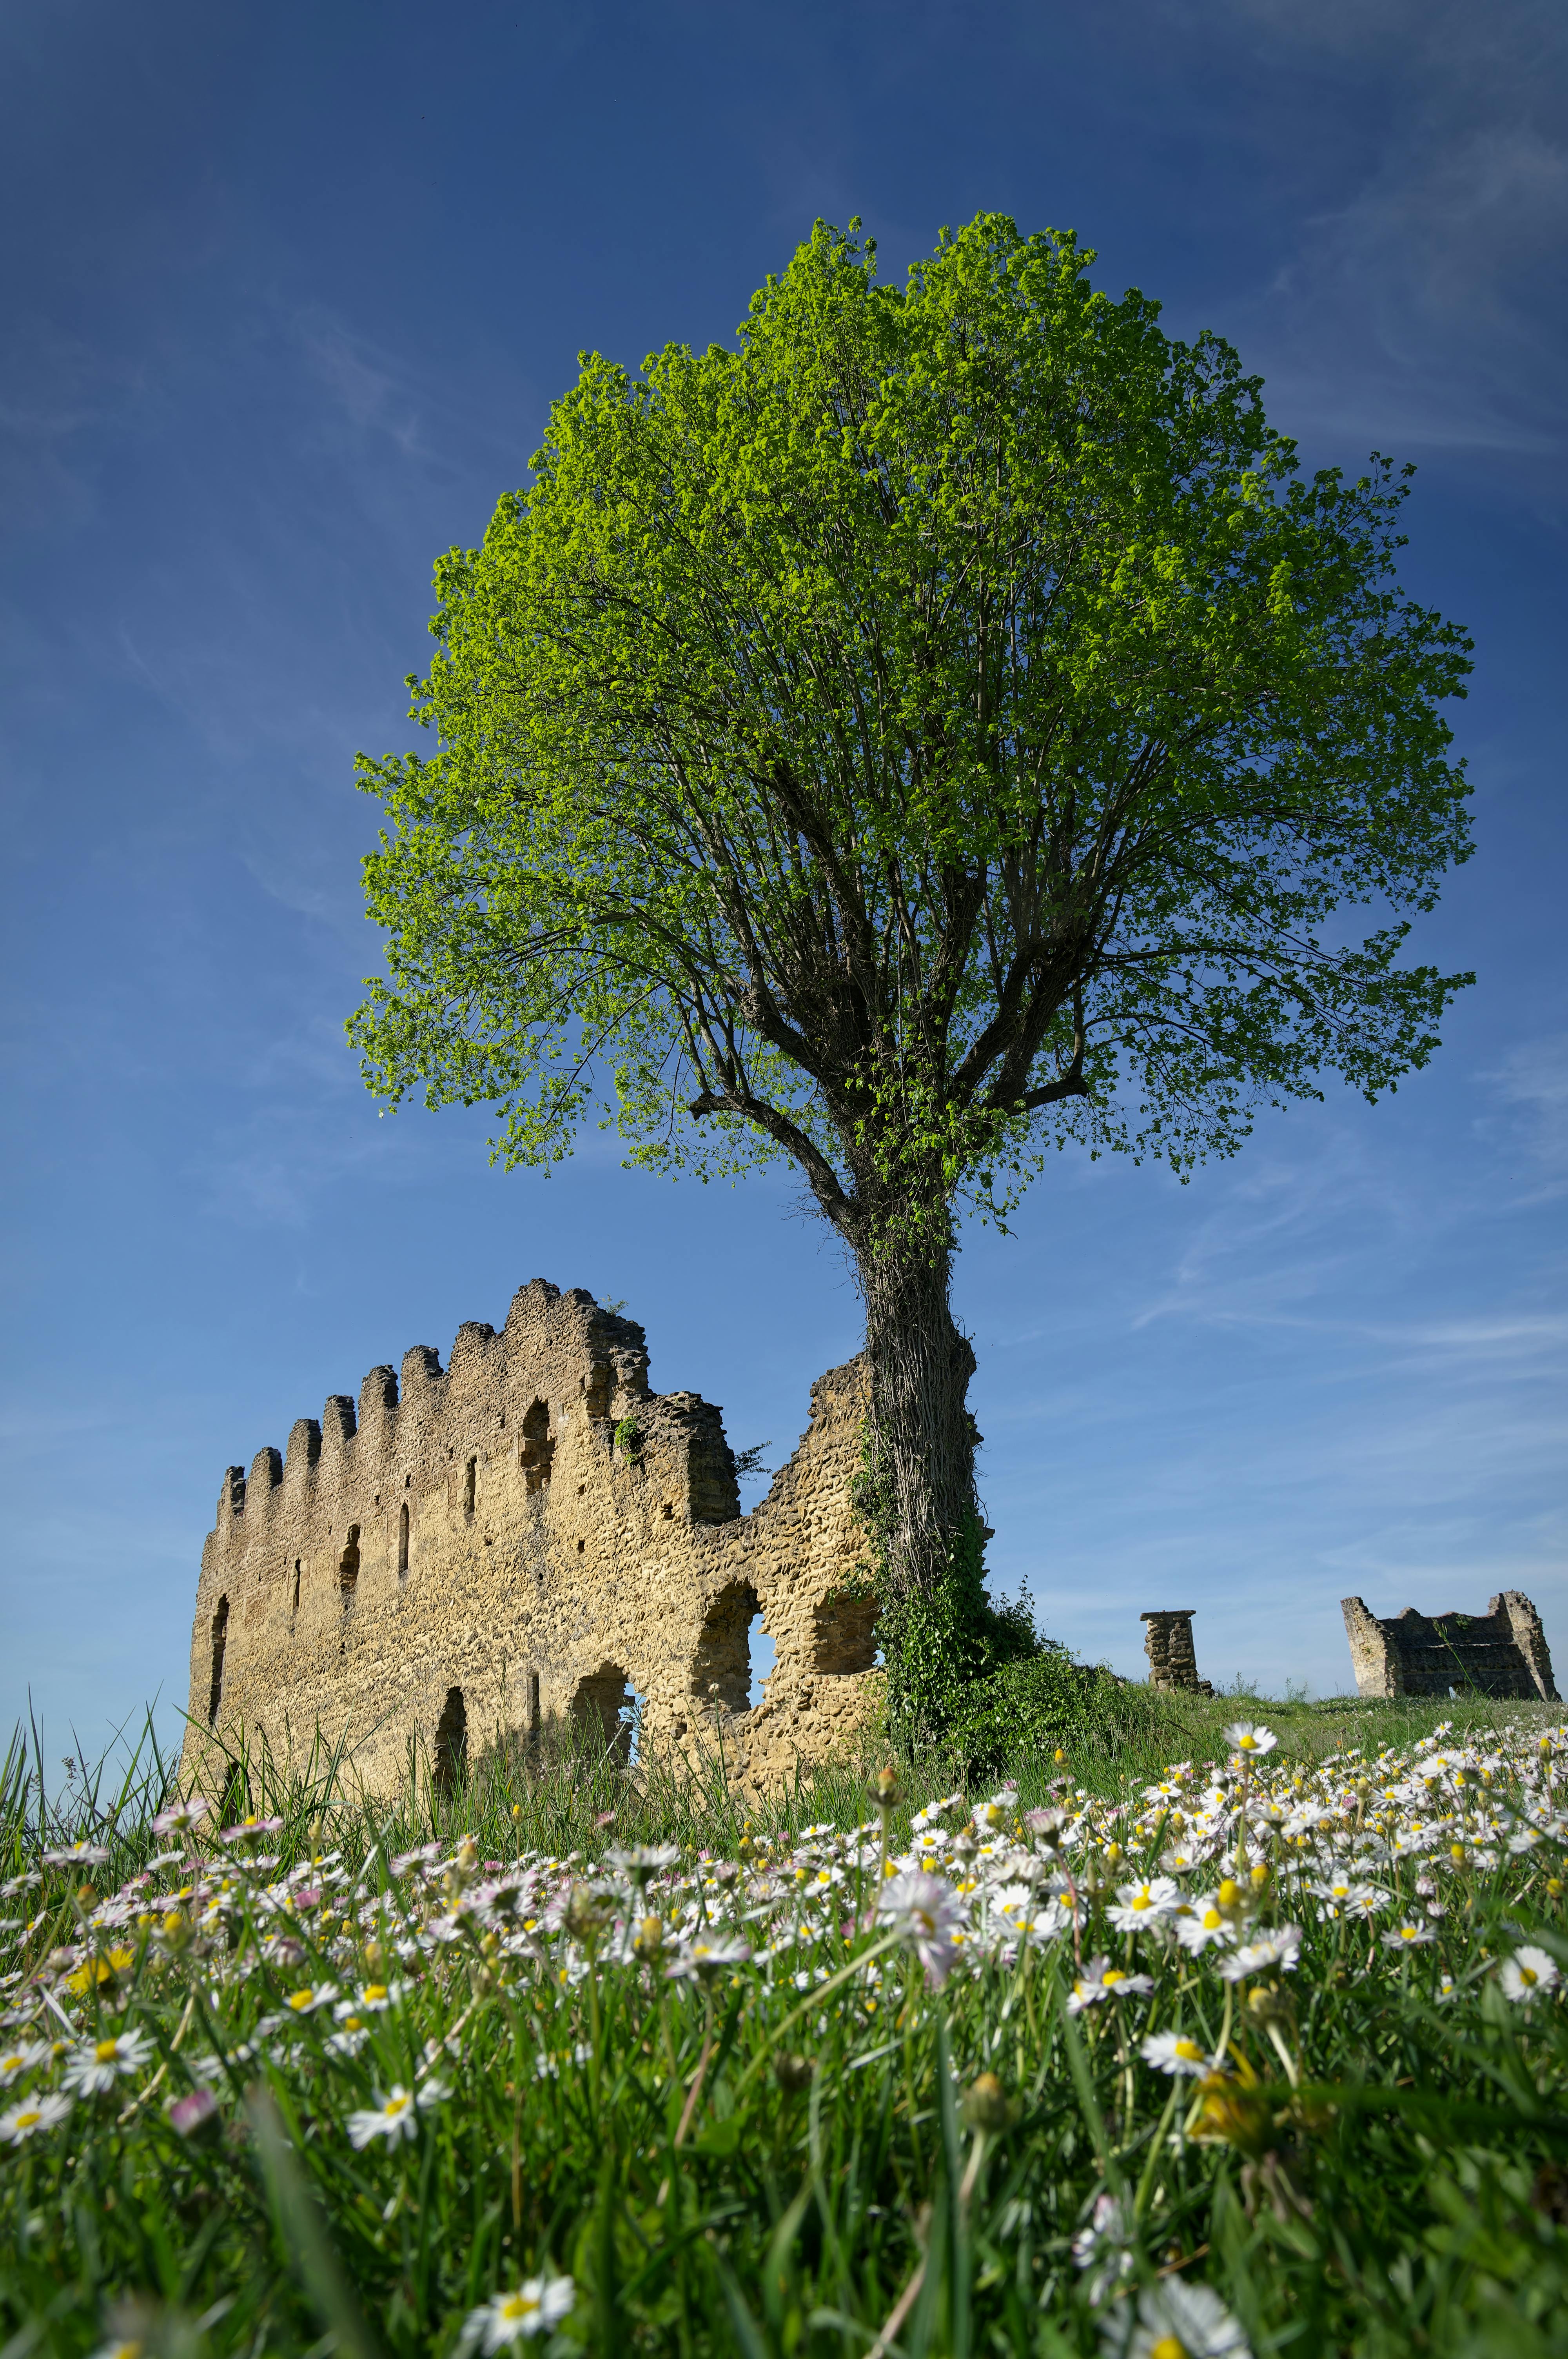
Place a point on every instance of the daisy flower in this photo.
(98, 2063)
(1101, 2248)
(1528, 1974)
(699, 1959)
(373, 1998)
(1243, 1736)
(1205, 1923)
(32, 2116)
(14, 2061)
(1101, 1980)
(538, 2305)
(929, 1915)
(182, 1815)
(1142, 1907)
(1173, 2321)
(306, 2000)
(393, 2116)
(1174, 2052)
(1407, 1937)
(1281, 1948)
(77, 1854)
(190, 2114)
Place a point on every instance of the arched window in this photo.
(403, 1540)
(219, 1641)
(349, 1567)
(451, 1743)
(844, 1632)
(602, 1709)
(721, 1670)
(535, 1450)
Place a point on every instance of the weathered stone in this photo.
(1502, 1652)
(1168, 1643)
(533, 1533)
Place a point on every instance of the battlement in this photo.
(526, 1528)
(594, 1360)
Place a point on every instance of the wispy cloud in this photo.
(1425, 307)
(1532, 1084)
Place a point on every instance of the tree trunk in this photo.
(922, 1469)
(922, 1433)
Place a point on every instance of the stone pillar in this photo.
(1168, 1642)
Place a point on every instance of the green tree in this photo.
(943, 726)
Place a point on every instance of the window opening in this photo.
(403, 1540)
(844, 1632)
(451, 1743)
(537, 1450)
(722, 1672)
(605, 1710)
(534, 1715)
(294, 1604)
(349, 1567)
(471, 1485)
(220, 1643)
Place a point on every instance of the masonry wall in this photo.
(478, 1532)
(1502, 1652)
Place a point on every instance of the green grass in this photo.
(732, 2165)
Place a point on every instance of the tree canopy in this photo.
(945, 719)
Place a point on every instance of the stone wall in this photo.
(1502, 1652)
(528, 1533)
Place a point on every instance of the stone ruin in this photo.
(1502, 1652)
(1168, 1643)
(529, 1535)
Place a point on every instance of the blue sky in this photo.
(286, 293)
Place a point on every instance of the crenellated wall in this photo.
(479, 1531)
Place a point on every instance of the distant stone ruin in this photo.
(1502, 1652)
(1168, 1643)
(532, 1534)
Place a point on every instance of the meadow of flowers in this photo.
(1263, 2053)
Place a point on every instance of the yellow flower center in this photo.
(1112, 1974)
(1528, 1974)
(26, 2121)
(375, 1992)
(1189, 2052)
(298, 1999)
(106, 2051)
(1168, 2347)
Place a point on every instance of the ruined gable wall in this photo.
(1502, 1652)
(542, 1564)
